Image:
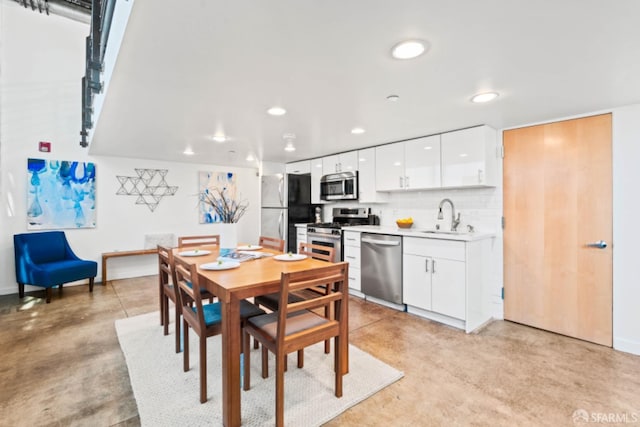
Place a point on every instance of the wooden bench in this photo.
(115, 254)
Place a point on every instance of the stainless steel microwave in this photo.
(339, 186)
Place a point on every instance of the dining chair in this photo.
(204, 319)
(271, 301)
(167, 291)
(185, 241)
(271, 243)
(300, 324)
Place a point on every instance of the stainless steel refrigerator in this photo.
(280, 212)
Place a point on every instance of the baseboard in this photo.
(440, 318)
(628, 346)
(29, 288)
(399, 307)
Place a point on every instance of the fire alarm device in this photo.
(45, 147)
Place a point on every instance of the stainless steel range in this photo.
(330, 233)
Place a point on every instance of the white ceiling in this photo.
(188, 69)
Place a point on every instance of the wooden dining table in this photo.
(252, 278)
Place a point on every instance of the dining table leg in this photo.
(231, 340)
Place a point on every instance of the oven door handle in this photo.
(379, 242)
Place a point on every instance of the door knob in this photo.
(600, 244)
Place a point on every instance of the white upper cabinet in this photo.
(316, 174)
(367, 178)
(409, 165)
(390, 167)
(343, 162)
(422, 163)
(298, 168)
(469, 157)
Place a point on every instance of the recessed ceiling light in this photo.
(463, 154)
(188, 152)
(357, 131)
(277, 111)
(362, 159)
(484, 97)
(428, 147)
(250, 158)
(289, 147)
(397, 164)
(393, 98)
(409, 49)
(219, 138)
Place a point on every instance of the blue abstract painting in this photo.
(223, 181)
(61, 194)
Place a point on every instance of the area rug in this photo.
(167, 396)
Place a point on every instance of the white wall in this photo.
(626, 206)
(42, 62)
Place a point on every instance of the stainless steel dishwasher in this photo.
(381, 266)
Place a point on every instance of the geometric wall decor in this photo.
(61, 194)
(223, 181)
(149, 187)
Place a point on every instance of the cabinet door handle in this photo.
(426, 265)
(350, 257)
(480, 176)
(401, 182)
(406, 182)
(433, 266)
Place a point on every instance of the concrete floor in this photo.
(61, 365)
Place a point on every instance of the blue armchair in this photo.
(46, 259)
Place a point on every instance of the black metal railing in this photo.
(96, 45)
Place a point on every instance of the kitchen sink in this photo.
(443, 232)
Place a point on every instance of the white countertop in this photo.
(416, 232)
(303, 224)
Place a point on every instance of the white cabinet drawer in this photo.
(352, 256)
(354, 278)
(448, 249)
(351, 238)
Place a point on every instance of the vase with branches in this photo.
(227, 206)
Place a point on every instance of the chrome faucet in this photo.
(455, 222)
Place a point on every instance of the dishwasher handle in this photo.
(380, 242)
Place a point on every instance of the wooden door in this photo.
(557, 200)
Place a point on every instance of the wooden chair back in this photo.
(333, 278)
(165, 257)
(186, 241)
(272, 243)
(188, 288)
(324, 253)
(167, 291)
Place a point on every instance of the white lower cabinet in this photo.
(351, 254)
(301, 235)
(445, 280)
(416, 281)
(447, 287)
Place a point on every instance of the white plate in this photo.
(289, 257)
(195, 252)
(249, 248)
(224, 265)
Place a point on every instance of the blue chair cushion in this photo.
(212, 314)
(64, 271)
(202, 290)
